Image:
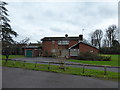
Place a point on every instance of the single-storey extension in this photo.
(31, 51)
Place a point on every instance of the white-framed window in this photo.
(91, 51)
(63, 42)
(74, 52)
(53, 42)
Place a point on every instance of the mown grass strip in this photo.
(69, 70)
(12, 56)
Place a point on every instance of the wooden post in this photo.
(83, 68)
(48, 65)
(62, 63)
(24, 63)
(64, 66)
(35, 64)
(14, 62)
(105, 70)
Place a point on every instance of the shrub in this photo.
(53, 55)
(92, 57)
(110, 50)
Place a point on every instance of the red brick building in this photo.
(65, 46)
(31, 51)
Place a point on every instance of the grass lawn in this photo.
(12, 56)
(69, 70)
(113, 62)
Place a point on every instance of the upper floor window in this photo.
(63, 42)
(53, 42)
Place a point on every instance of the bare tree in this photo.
(105, 43)
(17, 47)
(96, 37)
(21, 44)
(25, 41)
(111, 34)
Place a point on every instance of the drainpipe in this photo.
(69, 53)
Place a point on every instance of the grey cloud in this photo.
(57, 29)
(98, 11)
(59, 18)
(49, 13)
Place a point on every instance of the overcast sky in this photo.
(36, 20)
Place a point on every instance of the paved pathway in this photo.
(21, 78)
(54, 59)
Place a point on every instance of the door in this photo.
(64, 52)
(29, 53)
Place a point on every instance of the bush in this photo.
(110, 50)
(93, 57)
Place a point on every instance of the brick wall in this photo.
(72, 42)
(49, 45)
(87, 48)
(35, 53)
(46, 48)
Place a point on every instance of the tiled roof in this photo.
(83, 43)
(30, 46)
(59, 38)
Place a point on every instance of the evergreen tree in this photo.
(6, 32)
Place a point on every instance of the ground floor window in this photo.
(74, 52)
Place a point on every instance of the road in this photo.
(31, 60)
(0, 77)
(22, 78)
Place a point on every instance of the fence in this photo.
(66, 63)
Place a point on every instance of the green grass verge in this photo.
(69, 70)
(113, 62)
(12, 56)
(0, 62)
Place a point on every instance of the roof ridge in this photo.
(60, 38)
(81, 42)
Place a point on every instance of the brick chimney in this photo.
(81, 37)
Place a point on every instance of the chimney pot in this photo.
(81, 37)
(66, 35)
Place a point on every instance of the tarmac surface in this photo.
(0, 77)
(32, 60)
(22, 78)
